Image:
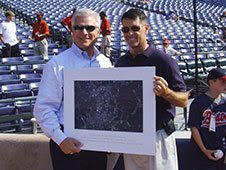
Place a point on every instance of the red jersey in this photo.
(105, 27)
(40, 28)
(67, 21)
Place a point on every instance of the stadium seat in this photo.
(4, 70)
(7, 108)
(221, 62)
(33, 59)
(38, 68)
(183, 67)
(208, 64)
(25, 106)
(9, 79)
(34, 88)
(21, 69)
(15, 90)
(28, 78)
(191, 69)
(12, 60)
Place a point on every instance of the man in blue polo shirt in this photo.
(169, 88)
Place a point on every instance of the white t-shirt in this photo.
(8, 31)
(171, 51)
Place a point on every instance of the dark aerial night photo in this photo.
(112, 105)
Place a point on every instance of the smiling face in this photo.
(136, 39)
(217, 86)
(83, 38)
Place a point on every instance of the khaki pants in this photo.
(165, 158)
(41, 48)
(106, 46)
(112, 159)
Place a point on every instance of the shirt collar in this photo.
(84, 54)
(148, 52)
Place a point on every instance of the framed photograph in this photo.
(111, 109)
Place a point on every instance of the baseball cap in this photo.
(217, 73)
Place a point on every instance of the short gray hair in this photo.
(85, 12)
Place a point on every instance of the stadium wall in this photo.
(24, 152)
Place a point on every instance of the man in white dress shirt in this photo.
(66, 151)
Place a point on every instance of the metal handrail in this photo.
(30, 98)
(17, 116)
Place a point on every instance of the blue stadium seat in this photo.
(34, 88)
(38, 68)
(4, 70)
(33, 59)
(12, 60)
(208, 64)
(28, 78)
(25, 106)
(9, 79)
(20, 69)
(221, 62)
(15, 90)
(7, 108)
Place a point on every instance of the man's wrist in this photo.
(167, 93)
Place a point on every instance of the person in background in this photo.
(8, 36)
(207, 122)
(172, 15)
(67, 24)
(223, 38)
(169, 88)
(215, 36)
(106, 35)
(66, 151)
(39, 34)
(168, 49)
(223, 16)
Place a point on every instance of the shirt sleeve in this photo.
(174, 77)
(65, 20)
(172, 51)
(194, 114)
(49, 102)
(0, 28)
(46, 28)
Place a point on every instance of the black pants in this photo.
(84, 160)
(11, 51)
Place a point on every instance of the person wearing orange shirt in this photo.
(39, 34)
(106, 35)
(67, 24)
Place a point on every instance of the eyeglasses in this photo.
(134, 28)
(88, 28)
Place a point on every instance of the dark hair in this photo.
(39, 13)
(102, 13)
(133, 14)
(74, 9)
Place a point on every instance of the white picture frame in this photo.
(111, 109)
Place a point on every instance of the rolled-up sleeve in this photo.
(49, 103)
